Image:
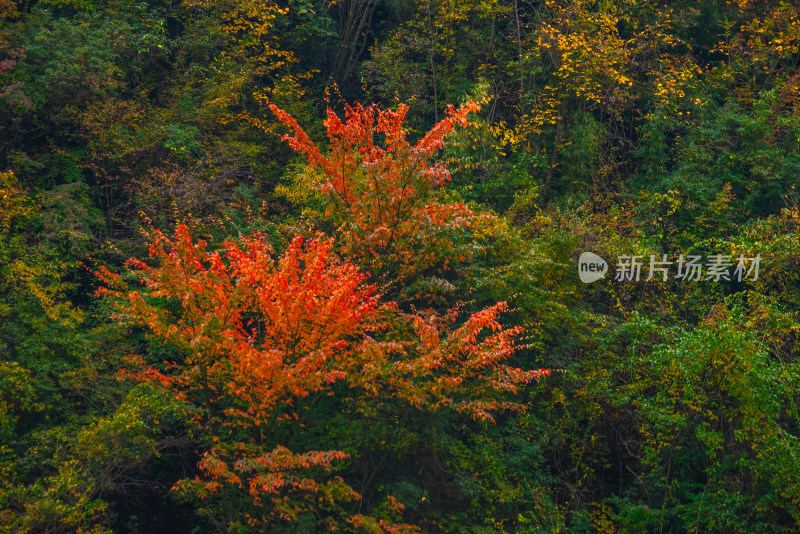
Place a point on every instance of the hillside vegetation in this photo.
(306, 266)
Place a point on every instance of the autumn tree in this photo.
(260, 334)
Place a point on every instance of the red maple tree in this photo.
(260, 331)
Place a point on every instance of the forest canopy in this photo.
(366, 266)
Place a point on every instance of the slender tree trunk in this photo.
(431, 63)
(519, 48)
(355, 20)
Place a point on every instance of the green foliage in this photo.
(108, 457)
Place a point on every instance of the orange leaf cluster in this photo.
(258, 330)
(381, 188)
